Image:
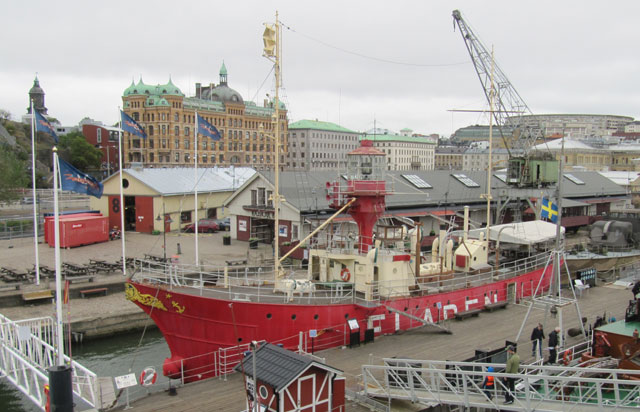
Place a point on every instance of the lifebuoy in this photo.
(345, 275)
(148, 377)
(566, 358)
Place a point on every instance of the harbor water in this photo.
(115, 356)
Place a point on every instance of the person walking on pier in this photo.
(553, 345)
(488, 384)
(537, 336)
(513, 364)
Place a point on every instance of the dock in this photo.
(488, 330)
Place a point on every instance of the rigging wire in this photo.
(364, 56)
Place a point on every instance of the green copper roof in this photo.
(396, 138)
(159, 90)
(317, 125)
(223, 69)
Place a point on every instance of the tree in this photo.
(12, 174)
(5, 115)
(74, 148)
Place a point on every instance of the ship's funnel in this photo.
(466, 222)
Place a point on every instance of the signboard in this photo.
(283, 230)
(353, 324)
(313, 333)
(242, 225)
(126, 381)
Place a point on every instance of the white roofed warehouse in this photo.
(151, 193)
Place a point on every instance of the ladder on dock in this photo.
(538, 388)
(441, 328)
(27, 352)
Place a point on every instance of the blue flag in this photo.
(549, 210)
(43, 125)
(75, 181)
(207, 129)
(131, 126)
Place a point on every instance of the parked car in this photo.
(204, 226)
(224, 224)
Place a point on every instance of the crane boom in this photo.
(509, 106)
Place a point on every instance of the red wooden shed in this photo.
(287, 381)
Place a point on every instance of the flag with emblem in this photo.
(76, 181)
(549, 210)
(43, 125)
(207, 129)
(131, 126)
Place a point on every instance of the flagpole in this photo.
(35, 200)
(195, 139)
(120, 134)
(56, 231)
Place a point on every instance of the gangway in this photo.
(538, 388)
(442, 328)
(26, 354)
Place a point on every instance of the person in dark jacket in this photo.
(554, 342)
(537, 336)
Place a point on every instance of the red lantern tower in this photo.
(365, 182)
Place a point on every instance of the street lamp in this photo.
(164, 219)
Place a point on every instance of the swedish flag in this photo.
(549, 210)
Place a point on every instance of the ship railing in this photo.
(245, 283)
(537, 387)
(27, 353)
(374, 292)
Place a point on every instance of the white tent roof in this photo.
(523, 233)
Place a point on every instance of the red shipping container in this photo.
(48, 223)
(81, 230)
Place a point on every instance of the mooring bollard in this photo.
(179, 251)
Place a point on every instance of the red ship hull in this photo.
(195, 326)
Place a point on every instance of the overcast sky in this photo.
(561, 56)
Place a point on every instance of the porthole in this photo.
(346, 316)
(293, 317)
(268, 315)
(125, 183)
(315, 317)
(239, 339)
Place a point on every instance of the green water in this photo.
(114, 356)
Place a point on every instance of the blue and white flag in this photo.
(43, 125)
(549, 210)
(207, 129)
(131, 126)
(75, 181)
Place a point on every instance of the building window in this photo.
(186, 144)
(176, 144)
(176, 130)
(204, 144)
(187, 158)
(99, 135)
(185, 217)
(150, 130)
(213, 158)
(150, 143)
(151, 157)
(261, 196)
(204, 158)
(177, 157)
(254, 197)
(186, 131)
(176, 117)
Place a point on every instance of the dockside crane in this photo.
(526, 167)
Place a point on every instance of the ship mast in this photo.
(272, 49)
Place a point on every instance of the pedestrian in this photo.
(513, 364)
(537, 336)
(554, 342)
(488, 384)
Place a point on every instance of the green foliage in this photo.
(12, 174)
(74, 148)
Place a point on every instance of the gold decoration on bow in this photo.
(133, 295)
(176, 305)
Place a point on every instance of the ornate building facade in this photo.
(168, 117)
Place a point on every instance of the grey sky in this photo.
(562, 56)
